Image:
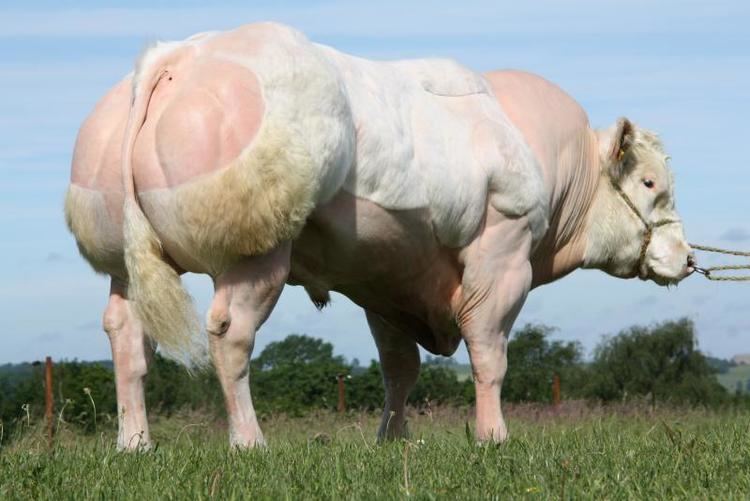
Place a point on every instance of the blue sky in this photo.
(680, 68)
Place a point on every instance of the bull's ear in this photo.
(616, 146)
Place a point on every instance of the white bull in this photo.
(434, 197)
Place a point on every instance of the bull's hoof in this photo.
(136, 443)
(258, 442)
(492, 437)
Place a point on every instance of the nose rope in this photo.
(649, 227)
(708, 272)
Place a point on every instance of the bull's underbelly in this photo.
(388, 262)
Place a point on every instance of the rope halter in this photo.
(649, 227)
(648, 234)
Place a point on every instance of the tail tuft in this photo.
(161, 302)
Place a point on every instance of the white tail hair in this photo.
(161, 302)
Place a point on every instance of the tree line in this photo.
(660, 364)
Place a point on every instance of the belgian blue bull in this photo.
(434, 197)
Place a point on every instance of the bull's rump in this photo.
(248, 135)
(95, 219)
(93, 203)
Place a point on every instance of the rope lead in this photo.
(708, 272)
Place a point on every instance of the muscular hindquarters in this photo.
(93, 203)
(222, 166)
(95, 219)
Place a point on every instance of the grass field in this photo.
(739, 373)
(574, 453)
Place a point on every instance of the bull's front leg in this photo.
(487, 341)
(244, 298)
(496, 284)
(131, 352)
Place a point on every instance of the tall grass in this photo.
(573, 452)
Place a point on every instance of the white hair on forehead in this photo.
(647, 146)
(647, 142)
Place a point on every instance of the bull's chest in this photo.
(388, 262)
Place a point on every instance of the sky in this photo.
(681, 69)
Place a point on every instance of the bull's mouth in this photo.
(664, 280)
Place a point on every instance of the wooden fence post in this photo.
(556, 390)
(342, 394)
(49, 404)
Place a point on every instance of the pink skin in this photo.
(130, 352)
(244, 297)
(99, 143)
(413, 289)
(496, 280)
(548, 118)
(201, 117)
(389, 263)
(96, 166)
(399, 360)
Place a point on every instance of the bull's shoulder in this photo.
(549, 119)
(530, 94)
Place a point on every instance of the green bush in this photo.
(295, 375)
(533, 360)
(298, 374)
(440, 384)
(365, 390)
(661, 363)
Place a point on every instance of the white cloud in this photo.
(736, 234)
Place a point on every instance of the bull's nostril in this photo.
(691, 261)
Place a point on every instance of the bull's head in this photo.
(634, 228)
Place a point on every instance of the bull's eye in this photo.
(648, 183)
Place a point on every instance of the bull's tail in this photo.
(163, 305)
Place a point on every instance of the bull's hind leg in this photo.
(244, 297)
(399, 359)
(131, 352)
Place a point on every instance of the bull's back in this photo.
(93, 204)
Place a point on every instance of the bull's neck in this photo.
(572, 190)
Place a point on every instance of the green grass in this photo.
(577, 454)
